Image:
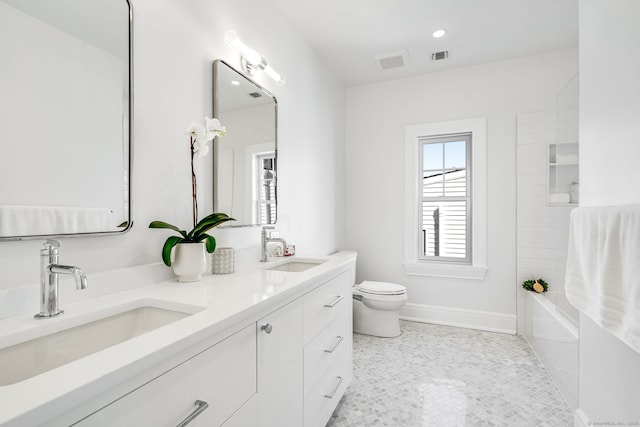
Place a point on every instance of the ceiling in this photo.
(350, 34)
(103, 24)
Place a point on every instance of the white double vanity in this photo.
(269, 345)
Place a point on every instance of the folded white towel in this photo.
(603, 268)
(43, 220)
(566, 158)
(559, 198)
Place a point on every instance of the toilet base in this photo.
(379, 323)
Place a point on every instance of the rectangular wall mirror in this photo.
(245, 160)
(65, 117)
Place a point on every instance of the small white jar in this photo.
(223, 261)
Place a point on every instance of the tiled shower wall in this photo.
(542, 231)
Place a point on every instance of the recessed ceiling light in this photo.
(439, 33)
(235, 82)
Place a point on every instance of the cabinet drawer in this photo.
(324, 304)
(330, 344)
(324, 397)
(224, 376)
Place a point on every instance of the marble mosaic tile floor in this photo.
(442, 376)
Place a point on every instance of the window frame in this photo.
(467, 137)
(413, 265)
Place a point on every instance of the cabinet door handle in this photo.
(335, 345)
(200, 408)
(330, 395)
(267, 328)
(334, 302)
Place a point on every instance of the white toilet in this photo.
(376, 308)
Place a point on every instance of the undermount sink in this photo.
(33, 357)
(296, 265)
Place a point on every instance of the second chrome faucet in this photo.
(266, 238)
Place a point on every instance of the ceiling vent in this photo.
(255, 94)
(438, 56)
(393, 60)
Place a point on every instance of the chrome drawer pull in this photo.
(337, 300)
(332, 349)
(200, 408)
(330, 395)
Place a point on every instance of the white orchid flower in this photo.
(214, 128)
(201, 149)
(196, 132)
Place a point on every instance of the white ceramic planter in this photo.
(190, 261)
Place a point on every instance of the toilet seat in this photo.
(381, 288)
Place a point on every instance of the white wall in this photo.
(175, 43)
(609, 102)
(609, 175)
(376, 118)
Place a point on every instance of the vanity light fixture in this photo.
(251, 60)
(439, 33)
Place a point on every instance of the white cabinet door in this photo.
(280, 367)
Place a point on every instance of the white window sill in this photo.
(431, 269)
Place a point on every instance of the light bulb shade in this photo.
(252, 57)
(274, 74)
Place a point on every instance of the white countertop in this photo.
(226, 303)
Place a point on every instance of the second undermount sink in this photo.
(33, 357)
(296, 265)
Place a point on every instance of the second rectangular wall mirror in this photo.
(245, 160)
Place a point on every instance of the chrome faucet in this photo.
(49, 270)
(266, 238)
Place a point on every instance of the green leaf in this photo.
(210, 243)
(207, 223)
(168, 246)
(162, 224)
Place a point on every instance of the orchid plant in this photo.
(199, 137)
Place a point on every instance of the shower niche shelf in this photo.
(562, 174)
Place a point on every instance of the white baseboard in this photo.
(580, 419)
(471, 319)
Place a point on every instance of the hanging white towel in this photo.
(43, 220)
(603, 268)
